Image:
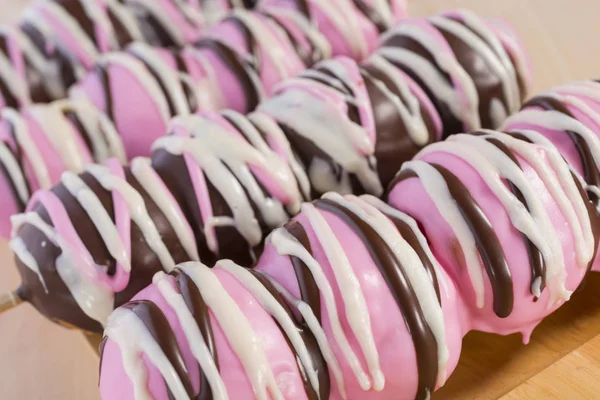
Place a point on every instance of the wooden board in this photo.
(39, 360)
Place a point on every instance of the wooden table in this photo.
(39, 360)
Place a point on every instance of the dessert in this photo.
(336, 289)
(42, 141)
(235, 65)
(490, 231)
(216, 185)
(56, 41)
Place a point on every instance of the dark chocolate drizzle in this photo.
(393, 145)
(64, 62)
(158, 79)
(79, 127)
(153, 30)
(309, 341)
(17, 153)
(123, 35)
(488, 244)
(308, 57)
(590, 170)
(9, 98)
(79, 14)
(451, 124)
(158, 326)
(393, 272)
(241, 69)
(104, 78)
(536, 260)
(488, 84)
(199, 310)
(309, 291)
(413, 241)
(372, 15)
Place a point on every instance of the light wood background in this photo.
(39, 360)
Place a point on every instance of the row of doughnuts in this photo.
(56, 41)
(359, 299)
(219, 182)
(126, 101)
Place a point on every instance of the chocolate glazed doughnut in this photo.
(43, 215)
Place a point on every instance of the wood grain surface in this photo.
(39, 360)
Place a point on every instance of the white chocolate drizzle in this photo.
(137, 208)
(237, 329)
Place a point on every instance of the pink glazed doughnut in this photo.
(569, 117)
(236, 64)
(337, 288)
(223, 181)
(475, 70)
(56, 41)
(488, 231)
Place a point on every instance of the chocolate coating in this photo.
(58, 304)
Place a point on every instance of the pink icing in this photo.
(279, 356)
(388, 326)
(387, 323)
(504, 29)
(67, 40)
(230, 90)
(409, 196)
(190, 31)
(140, 122)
